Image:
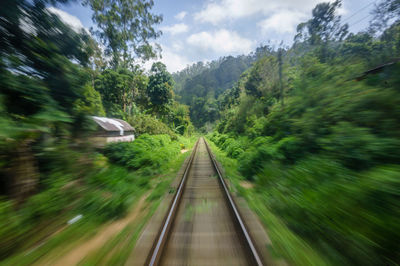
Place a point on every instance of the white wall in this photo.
(128, 138)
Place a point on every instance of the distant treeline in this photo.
(321, 145)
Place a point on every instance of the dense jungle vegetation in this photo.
(314, 128)
(202, 85)
(317, 134)
(52, 79)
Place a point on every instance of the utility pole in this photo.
(280, 63)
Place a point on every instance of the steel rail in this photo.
(157, 251)
(163, 235)
(236, 213)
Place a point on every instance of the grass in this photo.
(285, 244)
(55, 246)
(122, 244)
(113, 190)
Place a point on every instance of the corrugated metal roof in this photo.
(113, 124)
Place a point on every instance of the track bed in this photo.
(203, 231)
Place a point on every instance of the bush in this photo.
(234, 151)
(349, 215)
(104, 205)
(291, 149)
(147, 124)
(358, 148)
(12, 228)
(45, 204)
(253, 160)
(145, 151)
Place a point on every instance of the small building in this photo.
(112, 130)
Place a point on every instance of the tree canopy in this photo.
(126, 28)
(160, 87)
(323, 27)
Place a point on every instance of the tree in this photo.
(91, 104)
(159, 89)
(42, 85)
(384, 12)
(119, 89)
(178, 118)
(125, 27)
(322, 28)
(358, 46)
(263, 79)
(209, 81)
(41, 60)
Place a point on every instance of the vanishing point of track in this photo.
(203, 225)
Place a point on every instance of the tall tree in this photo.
(263, 79)
(125, 27)
(384, 12)
(323, 27)
(159, 89)
(119, 89)
(43, 89)
(37, 52)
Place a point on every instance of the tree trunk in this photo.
(22, 173)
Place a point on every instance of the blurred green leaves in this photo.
(145, 151)
(326, 163)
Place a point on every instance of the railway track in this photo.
(203, 225)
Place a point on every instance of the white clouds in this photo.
(181, 15)
(282, 22)
(342, 11)
(173, 61)
(213, 13)
(177, 46)
(176, 29)
(218, 11)
(232, 27)
(221, 41)
(67, 18)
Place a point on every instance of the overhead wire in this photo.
(358, 11)
(358, 21)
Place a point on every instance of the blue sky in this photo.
(206, 30)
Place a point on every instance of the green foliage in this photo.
(351, 215)
(41, 85)
(104, 206)
(11, 229)
(358, 147)
(358, 45)
(73, 182)
(324, 27)
(52, 78)
(200, 85)
(145, 151)
(177, 117)
(314, 117)
(91, 104)
(263, 78)
(345, 213)
(120, 89)
(147, 124)
(203, 110)
(159, 89)
(212, 79)
(113, 195)
(125, 28)
(330, 154)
